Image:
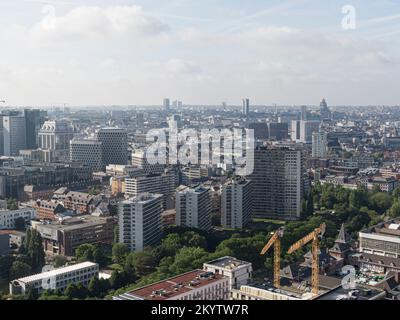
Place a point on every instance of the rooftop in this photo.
(172, 287)
(56, 272)
(228, 262)
(388, 228)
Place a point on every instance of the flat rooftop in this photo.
(228, 262)
(389, 228)
(77, 222)
(56, 272)
(172, 287)
(360, 292)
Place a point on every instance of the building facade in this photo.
(279, 183)
(57, 279)
(236, 204)
(193, 207)
(140, 222)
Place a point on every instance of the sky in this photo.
(137, 52)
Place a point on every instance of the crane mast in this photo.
(276, 242)
(313, 236)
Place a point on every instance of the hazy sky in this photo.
(91, 52)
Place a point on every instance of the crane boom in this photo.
(313, 236)
(270, 243)
(276, 242)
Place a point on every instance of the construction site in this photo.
(319, 277)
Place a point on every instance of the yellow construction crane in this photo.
(276, 242)
(313, 236)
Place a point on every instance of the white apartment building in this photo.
(239, 272)
(139, 160)
(57, 279)
(319, 144)
(156, 183)
(140, 221)
(193, 207)
(8, 217)
(236, 204)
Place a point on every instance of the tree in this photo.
(380, 202)
(12, 204)
(98, 287)
(32, 293)
(193, 239)
(143, 262)
(358, 198)
(19, 270)
(76, 291)
(85, 252)
(188, 258)
(99, 257)
(394, 210)
(34, 249)
(59, 261)
(19, 224)
(119, 252)
(5, 265)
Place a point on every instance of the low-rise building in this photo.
(193, 285)
(57, 279)
(239, 272)
(8, 217)
(62, 238)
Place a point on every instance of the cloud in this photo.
(91, 22)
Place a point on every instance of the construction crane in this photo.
(276, 242)
(314, 237)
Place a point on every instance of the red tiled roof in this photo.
(175, 286)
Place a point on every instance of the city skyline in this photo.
(139, 52)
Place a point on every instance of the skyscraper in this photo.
(236, 204)
(246, 107)
(88, 152)
(33, 122)
(140, 221)
(319, 144)
(307, 128)
(153, 183)
(279, 183)
(14, 134)
(193, 207)
(166, 104)
(303, 113)
(114, 145)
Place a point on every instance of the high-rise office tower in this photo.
(1, 136)
(193, 207)
(236, 204)
(279, 183)
(14, 135)
(278, 130)
(139, 160)
(166, 104)
(246, 107)
(307, 128)
(303, 113)
(260, 130)
(33, 123)
(114, 145)
(88, 152)
(319, 144)
(140, 221)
